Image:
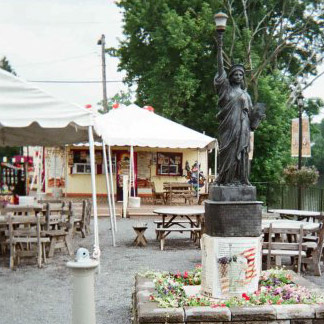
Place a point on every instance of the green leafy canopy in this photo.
(169, 51)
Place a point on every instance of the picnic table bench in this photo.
(174, 219)
(176, 190)
(163, 232)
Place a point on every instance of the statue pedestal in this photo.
(231, 245)
(230, 265)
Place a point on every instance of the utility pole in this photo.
(102, 42)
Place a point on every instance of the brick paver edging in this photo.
(146, 311)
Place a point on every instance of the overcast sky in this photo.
(56, 40)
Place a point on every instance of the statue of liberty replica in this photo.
(232, 214)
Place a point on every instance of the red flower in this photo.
(185, 275)
(245, 296)
(223, 305)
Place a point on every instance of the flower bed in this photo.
(276, 287)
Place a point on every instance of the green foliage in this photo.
(169, 51)
(272, 138)
(304, 177)
(317, 158)
(5, 65)
(124, 98)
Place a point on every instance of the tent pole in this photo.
(133, 170)
(130, 173)
(112, 223)
(216, 152)
(112, 188)
(198, 174)
(66, 165)
(96, 252)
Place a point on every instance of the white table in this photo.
(172, 221)
(286, 223)
(192, 214)
(300, 214)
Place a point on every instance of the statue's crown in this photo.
(236, 67)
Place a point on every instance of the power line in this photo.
(61, 81)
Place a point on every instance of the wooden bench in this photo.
(159, 224)
(175, 190)
(163, 232)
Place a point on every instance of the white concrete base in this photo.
(230, 265)
(134, 202)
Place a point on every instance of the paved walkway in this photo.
(38, 296)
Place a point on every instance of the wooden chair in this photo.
(158, 197)
(25, 239)
(59, 228)
(314, 248)
(273, 249)
(81, 222)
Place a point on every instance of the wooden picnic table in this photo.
(299, 214)
(287, 223)
(171, 215)
(174, 219)
(176, 190)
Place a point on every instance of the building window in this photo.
(169, 164)
(79, 161)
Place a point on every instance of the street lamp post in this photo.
(300, 103)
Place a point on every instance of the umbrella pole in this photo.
(198, 175)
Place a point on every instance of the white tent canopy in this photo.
(134, 126)
(30, 116)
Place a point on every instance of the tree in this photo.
(5, 65)
(124, 98)
(317, 158)
(170, 52)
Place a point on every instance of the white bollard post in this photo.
(83, 304)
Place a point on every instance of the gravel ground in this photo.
(35, 296)
(38, 296)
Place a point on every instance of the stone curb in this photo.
(146, 311)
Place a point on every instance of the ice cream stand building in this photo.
(156, 148)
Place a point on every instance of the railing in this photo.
(286, 197)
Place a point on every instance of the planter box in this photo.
(146, 311)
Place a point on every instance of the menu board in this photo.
(143, 165)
